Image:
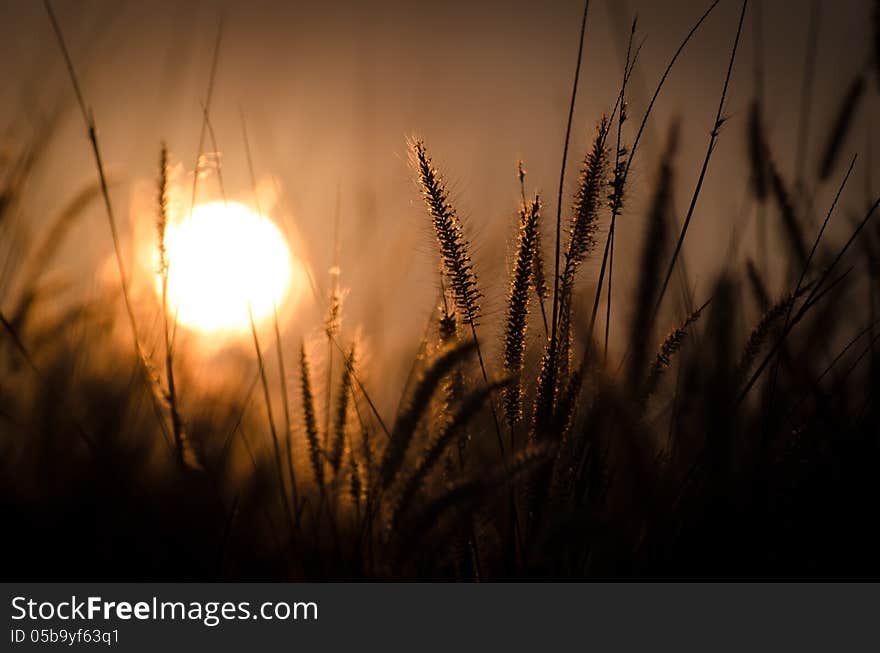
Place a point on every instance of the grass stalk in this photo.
(282, 372)
(719, 121)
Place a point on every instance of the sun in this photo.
(222, 260)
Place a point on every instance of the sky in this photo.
(330, 93)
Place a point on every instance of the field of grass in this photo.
(737, 435)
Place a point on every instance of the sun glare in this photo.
(222, 259)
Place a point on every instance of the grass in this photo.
(743, 443)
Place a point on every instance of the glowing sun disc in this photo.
(223, 258)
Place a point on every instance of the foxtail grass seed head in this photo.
(668, 348)
(585, 216)
(334, 310)
(162, 216)
(581, 242)
(406, 423)
(765, 326)
(454, 247)
(341, 418)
